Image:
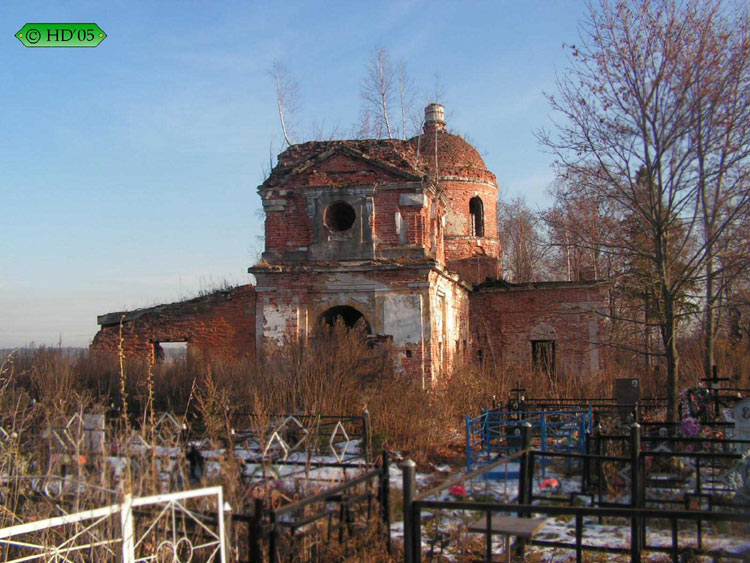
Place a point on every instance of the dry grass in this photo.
(334, 372)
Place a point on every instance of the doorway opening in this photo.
(348, 315)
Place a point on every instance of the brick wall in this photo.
(394, 299)
(410, 208)
(449, 323)
(220, 324)
(505, 318)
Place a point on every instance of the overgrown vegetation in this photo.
(334, 372)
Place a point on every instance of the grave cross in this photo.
(714, 381)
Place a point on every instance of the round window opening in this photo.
(339, 216)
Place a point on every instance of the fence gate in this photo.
(169, 527)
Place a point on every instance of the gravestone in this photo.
(627, 394)
(742, 423)
(93, 432)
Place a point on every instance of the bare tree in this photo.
(627, 107)
(524, 248)
(438, 92)
(579, 224)
(384, 86)
(719, 68)
(406, 96)
(287, 97)
(378, 91)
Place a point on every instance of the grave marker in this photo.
(742, 423)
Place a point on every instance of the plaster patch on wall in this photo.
(277, 320)
(347, 282)
(542, 331)
(402, 316)
(457, 225)
(413, 199)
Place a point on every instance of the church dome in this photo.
(455, 157)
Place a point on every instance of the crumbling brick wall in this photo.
(506, 318)
(221, 324)
(386, 230)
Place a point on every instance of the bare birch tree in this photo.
(580, 223)
(406, 97)
(378, 91)
(287, 98)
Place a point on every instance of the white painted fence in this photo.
(85, 532)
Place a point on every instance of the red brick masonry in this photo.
(415, 252)
(220, 324)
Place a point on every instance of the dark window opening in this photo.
(348, 315)
(408, 353)
(543, 356)
(339, 216)
(476, 210)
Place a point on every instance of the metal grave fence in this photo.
(455, 520)
(347, 521)
(169, 527)
(494, 433)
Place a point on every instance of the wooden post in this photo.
(368, 435)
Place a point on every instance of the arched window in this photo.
(476, 211)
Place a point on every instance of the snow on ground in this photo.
(449, 523)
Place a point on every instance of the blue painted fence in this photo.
(495, 434)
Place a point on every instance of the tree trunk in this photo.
(670, 348)
(646, 335)
(709, 333)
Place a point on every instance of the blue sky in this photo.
(128, 173)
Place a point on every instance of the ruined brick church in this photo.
(398, 236)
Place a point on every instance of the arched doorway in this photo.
(348, 315)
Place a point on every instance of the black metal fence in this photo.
(689, 467)
(346, 521)
(644, 408)
(638, 508)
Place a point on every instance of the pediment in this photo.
(342, 165)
